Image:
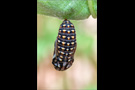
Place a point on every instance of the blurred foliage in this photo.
(90, 87)
(70, 9)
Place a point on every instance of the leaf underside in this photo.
(69, 9)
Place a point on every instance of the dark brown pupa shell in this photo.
(65, 46)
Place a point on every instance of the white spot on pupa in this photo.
(64, 64)
(55, 64)
(58, 65)
(68, 66)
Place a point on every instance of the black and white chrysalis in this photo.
(65, 46)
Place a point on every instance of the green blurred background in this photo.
(82, 75)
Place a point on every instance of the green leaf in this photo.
(70, 9)
(93, 7)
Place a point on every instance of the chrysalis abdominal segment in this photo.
(65, 46)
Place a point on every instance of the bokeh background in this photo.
(82, 75)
